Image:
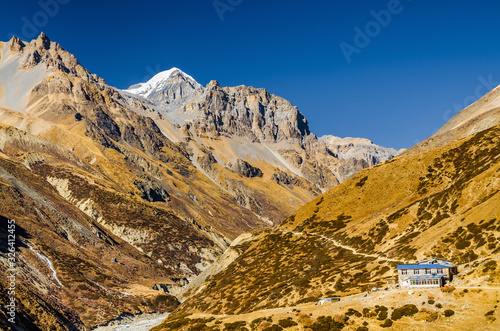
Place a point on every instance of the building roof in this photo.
(420, 277)
(330, 300)
(422, 266)
(435, 260)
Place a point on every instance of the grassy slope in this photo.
(414, 206)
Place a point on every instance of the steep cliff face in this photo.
(255, 124)
(248, 112)
(355, 154)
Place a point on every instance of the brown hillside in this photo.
(442, 202)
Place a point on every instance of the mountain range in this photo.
(440, 198)
(116, 193)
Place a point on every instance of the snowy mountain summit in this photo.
(167, 86)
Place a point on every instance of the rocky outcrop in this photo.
(248, 112)
(173, 289)
(284, 178)
(207, 160)
(52, 55)
(167, 87)
(244, 168)
(358, 148)
(16, 45)
(152, 191)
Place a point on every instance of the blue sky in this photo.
(408, 75)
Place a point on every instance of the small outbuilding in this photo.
(327, 300)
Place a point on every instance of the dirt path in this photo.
(478, 287)
(336, 243)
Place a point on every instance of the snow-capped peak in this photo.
(160, 81)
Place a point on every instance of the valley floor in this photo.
(142, 322)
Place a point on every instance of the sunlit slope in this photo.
(441, 202)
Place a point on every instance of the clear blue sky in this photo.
(396, 90)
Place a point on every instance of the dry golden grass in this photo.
(408, 208)
(472, 311)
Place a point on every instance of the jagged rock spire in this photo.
(43, 41)
(213, 84)
(15, 44)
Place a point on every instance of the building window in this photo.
(428, 271)
(404, 272)
(440, 271)
(416, 272)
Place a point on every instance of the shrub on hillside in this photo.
(362, 328)
(448, 313)
(462, 244)
(234, 326)
(489, 315)
(340, 318)
(304, 319)
(382, 315)
(368, 313)
(387, 323)
(406, 310)
(326, 323)
(447, 289)
(286, 323)
(256, 322)
(430, 301)
(352, 311)
(438, 305)
(273, 327)
(432, 316)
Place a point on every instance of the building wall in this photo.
(447, 272)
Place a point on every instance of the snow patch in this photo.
(162, 78)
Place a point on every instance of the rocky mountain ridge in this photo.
(438, 199)
(167, 86)
(259, 117)
(124, 193)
